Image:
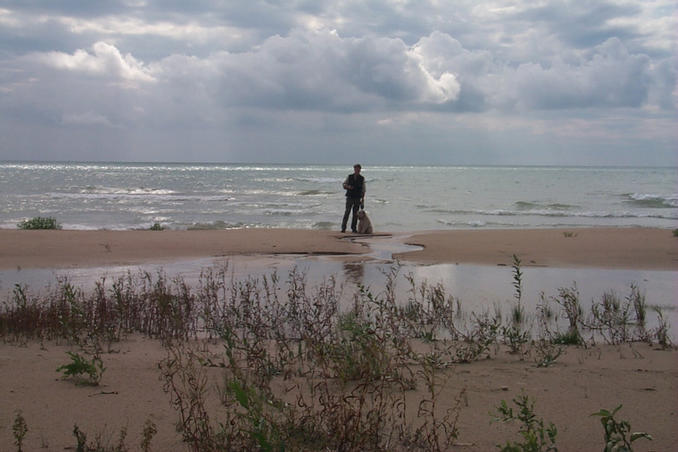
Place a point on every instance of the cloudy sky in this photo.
(320, 81)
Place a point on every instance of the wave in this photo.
(314, 193)
(528, 205)
(652, 201)
(550, 213)
(324, 225)
(218, 224)
(138, 194)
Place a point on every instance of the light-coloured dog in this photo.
(364, 223)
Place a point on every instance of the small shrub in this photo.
(618, 436)
(39, 223)
(82, 370)
(547, 353)
(568, 299)
(157, 227)
(536, 436)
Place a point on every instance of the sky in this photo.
(461, 82)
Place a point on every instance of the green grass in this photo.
(39, 223)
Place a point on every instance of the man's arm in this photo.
(346, 184)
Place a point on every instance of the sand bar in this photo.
(633, 248)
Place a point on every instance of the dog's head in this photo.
(361, 214)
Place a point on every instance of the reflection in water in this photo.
(479, 288)
(354, 272)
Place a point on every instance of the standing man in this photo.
(355, 197)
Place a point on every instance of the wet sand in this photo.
(641, 248)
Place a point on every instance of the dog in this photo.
(364, 223)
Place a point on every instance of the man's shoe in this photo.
(354, 231)
(343, 231)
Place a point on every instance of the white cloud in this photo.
(105, 59)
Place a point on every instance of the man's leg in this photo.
(347, 211)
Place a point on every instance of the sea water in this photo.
(399, 198)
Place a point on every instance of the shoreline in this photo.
(631, 248)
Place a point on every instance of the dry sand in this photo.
(582, 382)
(643, 379)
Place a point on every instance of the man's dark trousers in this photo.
(352, 204)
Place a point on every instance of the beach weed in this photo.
(39, 223)
(83, 371)
(546, 352)
(149, 431)
(517, 279)
(101, 443)
(618, 435)
(437, 432)
(19, 430)
(661, 332)
(156, 227)
(536, 436)
(568, 299)
(515, 336)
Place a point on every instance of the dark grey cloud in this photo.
(582, 24)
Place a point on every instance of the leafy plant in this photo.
(39, 223)
(536, 436)
(157, 227)
(82, 370)
(618, 436)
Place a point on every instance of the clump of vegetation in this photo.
(536, 436)
(568, 299)
(675, 232)
(83, 371)
(39, 223)
(618, 435)
(156, 227)
(101, 442)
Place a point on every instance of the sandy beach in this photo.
(641, 377)
(642, 248)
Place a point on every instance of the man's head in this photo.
(357, 168)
